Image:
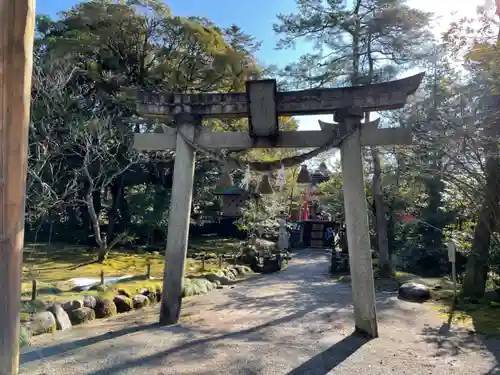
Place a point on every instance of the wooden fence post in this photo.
(33, 290)
(17, 25)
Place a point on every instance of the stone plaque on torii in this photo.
(263, 104)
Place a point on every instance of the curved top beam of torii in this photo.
(370, 98)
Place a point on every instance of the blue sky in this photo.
(256, 17)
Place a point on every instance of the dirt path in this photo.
(294, 322)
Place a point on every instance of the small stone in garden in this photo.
(82, 315)
(140, 301)
(123, 304)
(72, 305)
(105, 308)
(40, 323)
(63, 322)
(89, 301)
(414, 292)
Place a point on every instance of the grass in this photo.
(480, 317)
(53, 266)
(213, 246)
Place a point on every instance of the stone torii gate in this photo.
(262, 104)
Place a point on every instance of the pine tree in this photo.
(356, 43)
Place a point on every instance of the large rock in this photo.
(89, 301)
(414, 292)
(104, 308)
(71, 306)
(123, 304)
(63, 322)
(140, 301)
(40, 323)
(82, 315)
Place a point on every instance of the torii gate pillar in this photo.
(358, 234)
(178, 219)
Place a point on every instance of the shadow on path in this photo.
(327, 360)
(79, 344)
(201, 343)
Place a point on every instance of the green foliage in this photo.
(391, 33)
(87, 62)
(194, 287)
(32, 307)
(260, 216)
(24, 337)
(331, 196)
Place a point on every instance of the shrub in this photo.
(24, 337)
(32, 307)
(188, 289)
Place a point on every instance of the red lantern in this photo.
(408, 218)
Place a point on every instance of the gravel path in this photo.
(293, 322)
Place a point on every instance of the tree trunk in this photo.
(476, 273)
(125, 217)
(116, 191)
(378, 197)
(94, 219)
(380, 220)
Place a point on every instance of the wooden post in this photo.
(33, 290)
(452, 251)
(203, 262)
(358, 235)
(148, 270)
(17, 23)
(102, 277)
(178, 220)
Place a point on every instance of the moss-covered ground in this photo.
(52, 266)
(480, 317)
